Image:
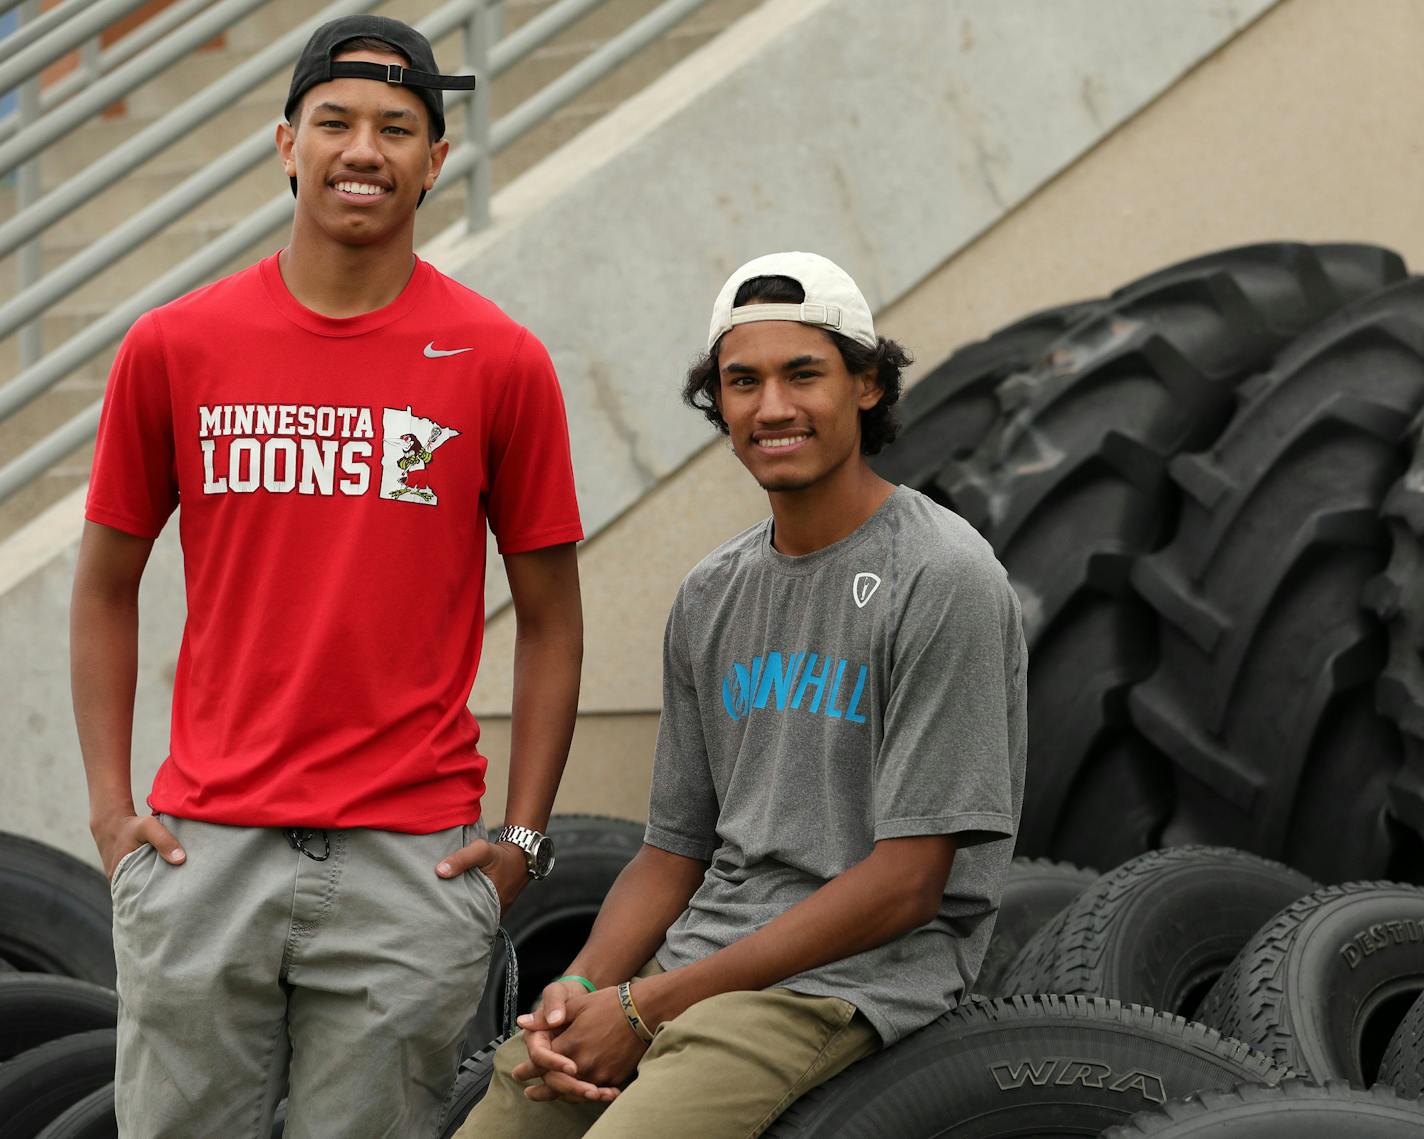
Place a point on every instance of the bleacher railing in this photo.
(45, 116)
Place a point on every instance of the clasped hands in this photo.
(581, 1047)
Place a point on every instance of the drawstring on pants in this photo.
(298, 840)
(511, 983)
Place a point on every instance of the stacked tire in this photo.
(1201, 489)
(1307, 1006)
(58, 1008)
(1192, 987)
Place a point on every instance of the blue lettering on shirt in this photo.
(777, 681)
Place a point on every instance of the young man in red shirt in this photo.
(312, 901)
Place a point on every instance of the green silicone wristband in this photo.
(584, 981)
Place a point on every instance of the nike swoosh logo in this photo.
(435, 353)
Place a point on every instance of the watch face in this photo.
(543, 854)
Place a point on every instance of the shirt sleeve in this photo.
(953, 750)
(133, 484)
(682, 813)
(531, 502)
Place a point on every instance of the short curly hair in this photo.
(878, 426)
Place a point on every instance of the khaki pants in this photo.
(251, 966)
(724, 1069)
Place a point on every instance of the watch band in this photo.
(528, 840)
(522, 837)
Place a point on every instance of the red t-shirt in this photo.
(335, 476)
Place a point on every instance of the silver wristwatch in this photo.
(538, 849)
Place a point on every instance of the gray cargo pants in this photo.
(252, 966)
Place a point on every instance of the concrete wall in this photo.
(903, 132)
(1303, 127)
(889, 142)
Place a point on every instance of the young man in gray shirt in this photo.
(839, 764)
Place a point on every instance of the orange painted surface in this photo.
(116, 31)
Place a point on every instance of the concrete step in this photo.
(70, 473)
(33, 422)
(90, 143)
(194, 74)
(236, 199)
(541, 68)
(212, 217)
(558, 129)
(262, 109)
(83, 145)
(610, 18)
(93, 371)
(512, 14)
(73, 316)
(273, 20)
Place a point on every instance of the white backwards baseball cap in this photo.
(832, 299)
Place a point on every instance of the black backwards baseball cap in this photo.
(423, 76)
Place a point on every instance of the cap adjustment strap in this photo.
(808, 312)
(396, 75)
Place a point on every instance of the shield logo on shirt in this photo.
(863, 588)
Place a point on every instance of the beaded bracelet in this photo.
(584, 981)
(630, 1010)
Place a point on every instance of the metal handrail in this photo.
(538, 31)
(33, 30)
(212, 257)
(93, 19)
(80, 188)
(121, 51)
(248, 154)
(158, 136)
(29, 262)
(583, 75)
(49, 129)
(481, 30)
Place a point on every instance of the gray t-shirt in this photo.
(813, 705)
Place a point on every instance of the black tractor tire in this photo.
(1325, 985)
(1035, 890)
(471, 1084)
(948, 414)
(1159, 930)
(551, 920)
(1263, 695)
(36, 1008)
(1290, 1110)
(1403, 1064)
(1041, 1066)
(91, 1118)
(1397, 598)
(38, 1086)
(1072, 490)
(56, 915)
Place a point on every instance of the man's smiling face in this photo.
(791, 407)
(361, 153)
